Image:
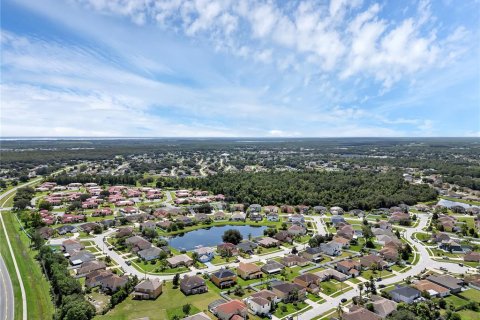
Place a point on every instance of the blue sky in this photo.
(240, 68)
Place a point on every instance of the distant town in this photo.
(133, 236)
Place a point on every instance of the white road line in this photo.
(20, 280)
(6, 295)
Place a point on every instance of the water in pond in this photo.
(210, 237)
(449, 204)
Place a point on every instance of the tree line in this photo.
(347, 189)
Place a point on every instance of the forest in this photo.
(347, 189)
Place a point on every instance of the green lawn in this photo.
(290, 308)
(151, 268)
(354, 280)
(331, 286)
(37, 288)
(469, 315)
(170, 302)
(471, 294)
(455, 301)
(368, 273)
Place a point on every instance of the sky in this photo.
(220, 68)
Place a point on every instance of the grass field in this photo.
(37, 288)
(170, 302)
(471, 294)
(469, 315)
(290, 308)
(456, 302)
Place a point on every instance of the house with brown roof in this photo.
(383, 307)
(259, 305)
(296, 230)
(71, 245)
(328, 274)
(389, 253)
(346, 231)
(294, 260)
(344, 242)
(248, 271)
(231, 310)
(224, 278)
(137, 243)
(309, 281)
(349, 267)
(433, 289)
(123, 232)
(148, 289)
(360, 313)
(372, 261)
(449, 282)
(283, 236)
(94, 278)
(90, 266)
(180, 260)
(399, 217)
(193, 285)
(227, 249)
(289, 292)
(113, 283)
(268, 242)
(472, 256)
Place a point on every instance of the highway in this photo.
(7, 306)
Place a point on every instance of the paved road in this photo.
(7, 307)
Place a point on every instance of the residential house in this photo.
(180, 260)
(433, 289)
(205, 254)
(248, 271)
(95, 278)
(231, 310)
(440, 237)
(113, 283)
(383, 307)
(359, 313)
(193, 285)
(72, 245)
(270, 209)
(336, 220)
(238, 216)
(198, 316)
(90, 266)
(404, 294)
(224, 278)
(255, 216)
(296, 230)
(247, 246)
(328, 274)
(268, 242)
(346, 231)
(313, 254)
(294, 260)
(472, 257)
(137, 243)
(289, 292)
(124, 232)
(148, 289)
(259, 305)
(320, 209)
(255, 208)
(343, 242)
(219, 215)
(283, 236)
(399, 217)
(227, 249)
(80, 257)
(451, 246)
(297, 219)
(150, 253)
(273, 216)
(449, 282)
(349, 267)
(309, 281)
(331, 248)
(287, 209)
(272, 267)
(372, 261)
(336, 210)
(66, 229)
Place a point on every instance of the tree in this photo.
(402, 314)
(176, 280)
(186, 308)
(37, 240)
(284, 226)
(294, 250)
(44, 205)
(442, 303)
(360, 288)
(232, 236)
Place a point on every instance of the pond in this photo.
(210, 237)
(449, 204)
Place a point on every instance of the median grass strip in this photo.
(37, 288)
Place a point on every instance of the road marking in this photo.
(6, 296)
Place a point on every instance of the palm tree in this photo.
(360, 288)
